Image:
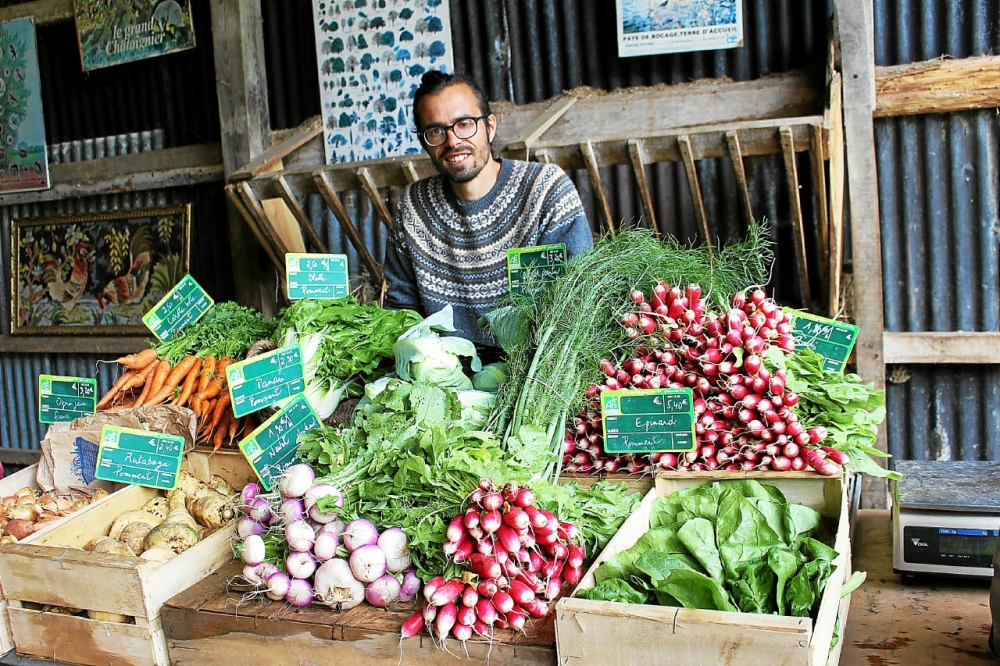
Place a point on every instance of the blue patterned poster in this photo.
(648, 27)
(23, 161)
(371, 55)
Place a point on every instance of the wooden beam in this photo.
(135, 172)
(45, 12)
(822, 221)
(798, 225)
(638, 158)
(961, 347)
(266, 234)
(687, 154)
(520, 147)
(274, 155)
(937, 86)
(22, 457)
(836, 215)
(857, 49)
(736, 155)
(308, 230)
(65, 344)
(368, 185)
(241, 86)
(410, 172)
(594, 172)
(326, 189)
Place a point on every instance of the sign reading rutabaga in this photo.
(263, 380)
(139, 457)
(112, 32)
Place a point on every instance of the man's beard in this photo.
(464, 175)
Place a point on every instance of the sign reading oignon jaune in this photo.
(112, 32)
(321, 276)
(139, 457)
(62, 399)
(263, 380)
(648, 420)
(270, 449)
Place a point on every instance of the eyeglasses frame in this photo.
(451, 128)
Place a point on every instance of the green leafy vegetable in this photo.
(227, 329)
(597, 511)
(424, 356)
(615, 590)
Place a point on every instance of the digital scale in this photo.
(946, 518)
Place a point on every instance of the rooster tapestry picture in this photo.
(97, 273)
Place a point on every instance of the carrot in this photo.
(189, 383)
(220, 435)
(141, 377)
(217, 382)
(138, 361)
(220, 407)
(234, 427)
(159, 377)
(119, 386)
(207, 373)
(180, 371)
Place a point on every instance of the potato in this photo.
(134, 535)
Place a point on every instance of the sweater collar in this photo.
(481, 204)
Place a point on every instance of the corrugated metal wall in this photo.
(939, 199)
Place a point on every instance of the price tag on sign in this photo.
(139, 457)
(320, 276)
(263, 380)
(648, 420)
(62, 399)
(529, 269)
(833, 340)
(270, 449)
(183, 305)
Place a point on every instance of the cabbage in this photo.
(490, 377)
(424, 356)
(476, 406)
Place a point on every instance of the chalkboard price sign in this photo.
(833, 340)
(139, 457)
(531, 268)
(648, 420)
(62, 399)
(321, 276)
(271, 448)
(261, 381)
(182, 306)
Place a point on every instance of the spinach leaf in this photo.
(799, 520)
(784, 563)
(806, 586)
(615, 589)
(695, 590)
(698, 535)
(622, 565)
(743, 534)
(753, 587)
(657, 566)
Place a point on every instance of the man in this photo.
(453, 229)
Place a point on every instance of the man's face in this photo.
(459, 160)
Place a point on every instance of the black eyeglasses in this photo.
(464, 128)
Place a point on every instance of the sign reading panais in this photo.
(263, 380)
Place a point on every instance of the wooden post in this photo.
(819, 189)
(410, 172)
(687, 154)
(308, 230)
(637, 157)
(836, 152)
(594, 171)
(241, 85)
(368, 185)
(857, 51)
(736, 155)
(329, 193)
(798, 226)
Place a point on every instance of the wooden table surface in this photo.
(934, 621)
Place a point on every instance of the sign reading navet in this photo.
(62, 399)
(648, 420)
(263, 380)
(182, 306)
(833, 340)
(531, 268)
(271, 448)
(139, 457)
(321, 276)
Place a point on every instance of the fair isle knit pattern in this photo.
(456, 252)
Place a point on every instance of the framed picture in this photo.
(96, 273)
(112, 32)
(24, 162)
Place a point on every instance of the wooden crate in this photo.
(50, 568)
(603, 632)
(206, 624)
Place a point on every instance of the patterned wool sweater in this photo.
(445, 251)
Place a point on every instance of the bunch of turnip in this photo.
(324, 560)
(745, 418)
(521, 557)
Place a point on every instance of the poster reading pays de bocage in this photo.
(113, 32)
(649, 27)
(371, 55)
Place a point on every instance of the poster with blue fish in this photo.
(24, 161)
(113, 32)
(371, 55)
(649, 27)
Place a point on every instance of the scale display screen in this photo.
(967, 542)
(950, 546)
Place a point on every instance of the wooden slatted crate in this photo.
(604, 632)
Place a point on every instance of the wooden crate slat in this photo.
(288, 196)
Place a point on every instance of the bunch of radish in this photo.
(323, 559)
(520, 557)
(745, 418)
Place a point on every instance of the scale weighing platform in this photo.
(946, 518)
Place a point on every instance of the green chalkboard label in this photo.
(182, 306)
(321, 276)
(139, 457)
(271, 448)
(263, 380)
(62, 399)
(531, 268)
(648, 420)
(833, 340)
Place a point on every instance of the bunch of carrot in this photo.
(196, 383)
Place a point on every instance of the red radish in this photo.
(523, 556)
(462, 632)
(817, 434)
(413, 625)
(469, 596)
(429, 613)
(490, 520)
(511, 568)
(447, 593)
(781, 464)
(630, 319)
(483, 566)
(503, 602)
(456, 529)
(492, 501)
(537, 609)
(464, 550)
(487, 588)
(476, 497)
(791, 450)
(516, 620)
(471, 518)
(536, 562)
(791, 399)
(836, 455)
(818, 462)
(525, 498)
(527, 538)
(484, 547)
(446, 618)
(529, 579)
(798, 464)
(520, 593)
(432, 586)
(608, 368)
(638, 297)
(481, 628)
(508, 539)
(752, 364)
(568, 531)
(465, 615)
(552, 588)
(516, 518)
(572, 575)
